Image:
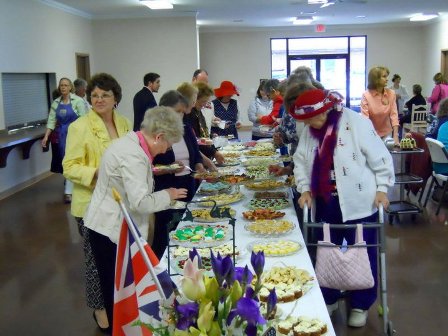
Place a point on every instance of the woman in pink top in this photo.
(379, 104)
(439, 92)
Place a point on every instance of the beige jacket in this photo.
(125, 167)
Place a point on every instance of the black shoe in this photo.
(103, 330)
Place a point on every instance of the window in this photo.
(339, 63)
(26, 98)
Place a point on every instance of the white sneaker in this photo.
(332, 308)
(358, 318)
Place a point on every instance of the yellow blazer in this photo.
(87, 139)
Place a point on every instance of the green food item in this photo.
(198, 229)
(187, 232)
(196, 238)
(180, 235)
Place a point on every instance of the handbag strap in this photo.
(359, 234)
(327, 236)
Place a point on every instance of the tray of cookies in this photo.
(265, 185)
(270, 227)
(203, 214)
(275, 247)
(200, 235)
(268, 203)
(223, 249)
(220, 199)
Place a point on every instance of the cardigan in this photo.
(87, 139)
(125, 167)
(362, 165)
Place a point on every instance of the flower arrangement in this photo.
(224, 304)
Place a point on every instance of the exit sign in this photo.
(320, 28)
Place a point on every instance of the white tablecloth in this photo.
(312, 303)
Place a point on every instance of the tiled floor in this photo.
(41, 277)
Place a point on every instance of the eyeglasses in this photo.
(104, 96)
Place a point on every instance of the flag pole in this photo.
(131, 227)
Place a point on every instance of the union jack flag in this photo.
(136, 296)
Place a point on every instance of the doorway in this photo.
(83, 66)
(444, 62)
(330, 70)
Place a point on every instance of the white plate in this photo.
(203, 243)
(271, 223)
(273, 242)
(218, 203)
(281, 204)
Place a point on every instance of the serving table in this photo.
(311, 304)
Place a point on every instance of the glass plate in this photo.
(270, 227)
(211, 219)
(223, 250)
(201, 243)
(268, 203)
(265, 185)
(279, 214)
(208, 188)
(221, 199)
(275, 247)
(175, 264)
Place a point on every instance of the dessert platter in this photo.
(236, 179)
(268, 203)
(271, 194)
(260, 153)
(275, 247)
(223, 250)
(229, 162)
(220, 199)
(258, 172)
(262, 214)
(208, 188)
(228, 170)
(270, 227)
(203, 214)
(178, 264)
(230, 154)
(290, 283)
(207, 176)
(262, 161)
(265, 185)
(171, 167)
(200, 235)
(236, 147)
(300, 326)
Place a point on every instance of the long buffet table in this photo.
(311, 304)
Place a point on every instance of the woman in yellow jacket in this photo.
(87, 139)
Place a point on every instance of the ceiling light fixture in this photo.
(317, 2)
(303, 20)
(423, 16)
(158, 4)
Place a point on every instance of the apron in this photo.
(65, 115)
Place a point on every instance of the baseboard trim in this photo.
(11, 191)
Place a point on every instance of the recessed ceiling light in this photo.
(423, 16)
(238, 20)
(303, 20)
(317, 2)
(308, 13)
(361, 16)
(158, 4)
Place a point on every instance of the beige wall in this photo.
(128, 49)
(245, 57)
(37, 38)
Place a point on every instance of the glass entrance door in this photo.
(330, 70)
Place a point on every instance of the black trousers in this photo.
(104, 251)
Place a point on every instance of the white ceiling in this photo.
(237, 14)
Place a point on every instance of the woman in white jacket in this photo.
(343, 169)
(260, 106)
(126, 166)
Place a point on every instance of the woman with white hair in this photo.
(127, 167)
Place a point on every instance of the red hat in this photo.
(226, 89)
(313, 102)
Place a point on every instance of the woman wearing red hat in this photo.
(226, 109)
(343, 171)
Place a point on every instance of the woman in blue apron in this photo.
(64, 110)
(226, 109)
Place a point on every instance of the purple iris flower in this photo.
(188, 314)
(272, 301)
(249, 311)
(251, 330)
(243, 275)
(250, 293)
(222, 268)
(193, 253)
(257, 261)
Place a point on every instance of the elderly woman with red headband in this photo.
(343, 171)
